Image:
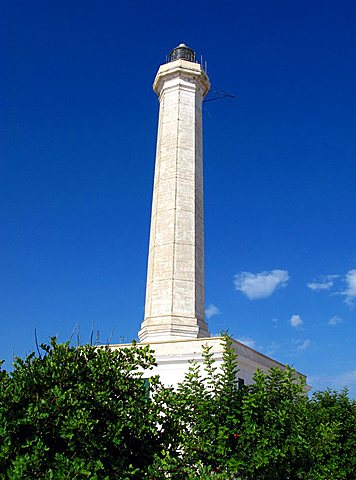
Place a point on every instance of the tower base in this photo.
(172, 328)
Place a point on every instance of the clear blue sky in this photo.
(78, 126)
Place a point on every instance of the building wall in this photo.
(174, 357)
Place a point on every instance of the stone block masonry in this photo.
(175, 277)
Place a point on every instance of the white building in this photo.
(174, 324)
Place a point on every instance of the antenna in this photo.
(217, 95)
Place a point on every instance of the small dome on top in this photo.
(182, 52)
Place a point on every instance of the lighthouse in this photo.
(174, 307)
(174, 323)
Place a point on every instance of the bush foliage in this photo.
(86, 413)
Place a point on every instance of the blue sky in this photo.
(78, 126)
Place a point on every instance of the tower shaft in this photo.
(175, 277)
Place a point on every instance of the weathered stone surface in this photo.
(175, 276)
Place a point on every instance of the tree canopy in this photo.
(86, 413)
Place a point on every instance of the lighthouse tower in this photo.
(174, 325)
(175, 277)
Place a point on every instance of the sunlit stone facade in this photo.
(175, 276)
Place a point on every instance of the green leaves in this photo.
(86, 413)
(82, 411)
(269, 430)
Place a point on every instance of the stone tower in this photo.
(175, 277)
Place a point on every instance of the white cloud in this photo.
(250, 342)
(350, 292)
(338, 381)
(335, 320)
(295, 321)
(272, 348)
(212, 310)
(303, 345)
(320, 285)
(347, 378)
(260, 285)
(325, 283)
